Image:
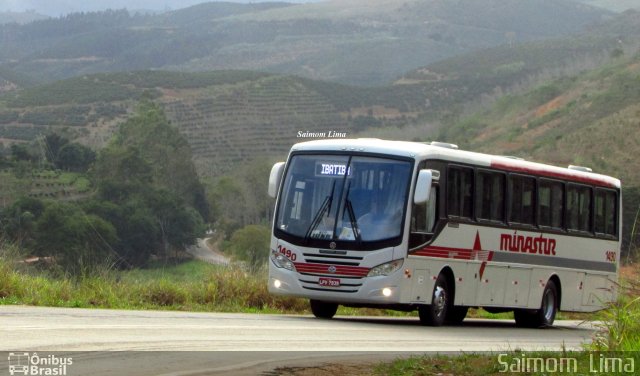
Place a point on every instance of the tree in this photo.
(53, 143)
(20, 152)
(138, 234)
(227, 205)
(255, 179)
(19, 221)
(121, 172)
(155, 198)
(75, 157)
(79, 242)
(251, 245)
(166, 152)
(179, 224)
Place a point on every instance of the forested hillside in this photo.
(354, 41)
(227, 116)
(234, 116)
(590, 119)
(134, 147)
(614, 5)
(140, 197)
(20, 17)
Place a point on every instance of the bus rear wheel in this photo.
(543, 317)
(435, 313)
(323, 310)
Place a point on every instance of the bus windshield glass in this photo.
(343, 198)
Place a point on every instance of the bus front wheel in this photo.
(435, 313)
(544, 316)
(323, 310)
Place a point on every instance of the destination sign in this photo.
(331, 169)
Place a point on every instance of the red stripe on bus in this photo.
(445, 252)
(324, 268)
(553, 174)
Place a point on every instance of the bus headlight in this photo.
(281, 261)
(385, 269)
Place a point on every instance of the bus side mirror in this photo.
(423, 187)
(274, 178)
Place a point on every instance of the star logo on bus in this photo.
(477, 253)
(331, 269)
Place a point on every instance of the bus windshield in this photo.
(343, 198)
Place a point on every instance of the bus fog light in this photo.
(277, 283)
(386, 292)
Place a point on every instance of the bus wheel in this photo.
(323, 310)
(456, 315)
(435, 313)
(544, 316)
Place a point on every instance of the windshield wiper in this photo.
(326, 206)
(352, 218)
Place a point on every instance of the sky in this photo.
(55, 8)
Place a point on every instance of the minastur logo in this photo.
(24, 363)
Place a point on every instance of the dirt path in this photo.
(202, 251)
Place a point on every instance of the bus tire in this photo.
(323, 310)
(456, 315)
(435, 314)
(545, 315)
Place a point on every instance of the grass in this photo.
(190, 286)
(187, 286)
(515, 362)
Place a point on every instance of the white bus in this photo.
(427, 227)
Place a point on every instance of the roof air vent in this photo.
(580, 168)
(514, 157)
(444, 145)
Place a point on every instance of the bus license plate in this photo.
(329, 282)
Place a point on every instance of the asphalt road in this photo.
(110, 342)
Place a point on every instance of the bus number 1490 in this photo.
(287, 252)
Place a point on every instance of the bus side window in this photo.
(521, 199)
(550, 203)
(490, 196)
(460, 192)
(605, 212)
(578, 208)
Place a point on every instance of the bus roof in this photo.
(419, 150)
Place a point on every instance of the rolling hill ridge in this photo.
(588, 119)
(234, 116)
(348, 41)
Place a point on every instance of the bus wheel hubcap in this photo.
(439, 300)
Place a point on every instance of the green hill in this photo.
(614, 5)
(587, 119)
(20, 17)
(235, 116)
(227, 116)
(368, 42)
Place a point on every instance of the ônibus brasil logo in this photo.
(23, 363)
